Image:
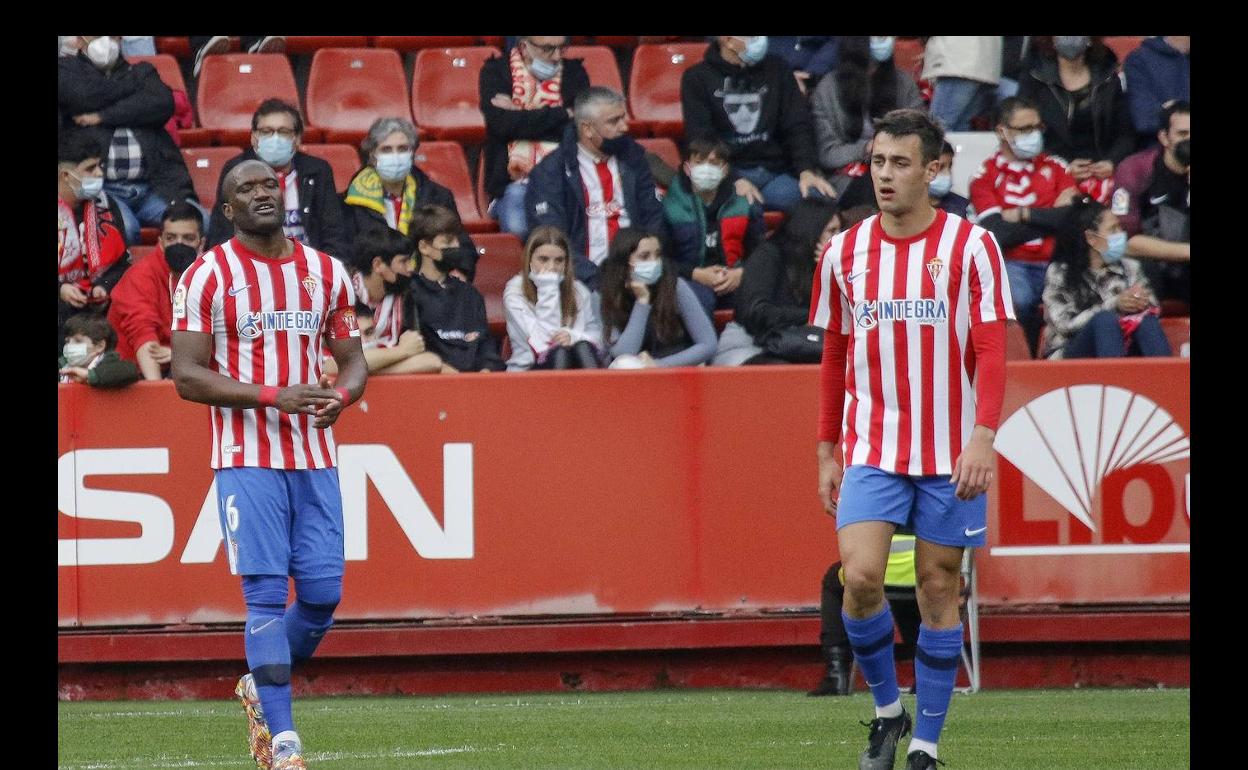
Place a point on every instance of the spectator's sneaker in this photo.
(258, 738)
(921, 760)
(215, 45)
(882, 742)
(288, 755)
(269, 44)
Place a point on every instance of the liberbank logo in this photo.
(1086, 444)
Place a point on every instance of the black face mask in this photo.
(1182, 153)
(400, 285)
(180, 256)
(615, 146)
(461, 258)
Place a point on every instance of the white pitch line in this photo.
(318, 756)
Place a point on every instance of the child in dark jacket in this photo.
(89, 356)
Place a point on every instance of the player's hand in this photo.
(809, 180)
(75, 373)
(305, 399)
(973, 470)
(327, 415)
(72, 295)
(729, 280)
(830, 475)
(746, 189)
(561, 338)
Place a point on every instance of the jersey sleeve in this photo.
(196, 298)
(989, 285)
(1062, 175)
(827, 303)
(983, 197)
(340, 321)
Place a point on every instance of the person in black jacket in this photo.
(1087, 121)
(125, 107)
(596, 159)
(448, 313)
(313, 209)
(750, 100)
(526, 97)
(389, 189)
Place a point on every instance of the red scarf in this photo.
(528, 93)
(86, 250)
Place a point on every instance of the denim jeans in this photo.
(1101, 337)
(509, 210)
(780, 191)
(956, 100)
(140, 205)
(1026, 288)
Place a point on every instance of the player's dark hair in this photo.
(1013, 104)
(1071, 248)
(908, 122)
(796, 240)
(76, 146)
(618, 299)
(182, 211)
(1172, 108)
(270, 106)
(377, 242)
(92, 326)
(874, 95)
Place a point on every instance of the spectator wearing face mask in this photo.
(865, 86)
(389, 189)
(88, 356)
(1097, 302)
(712, 227)
(91, 251)
(448, 313)
(551, 318)
(648, 311)
(1074, 85)
(749, 100)
(142, 307)
(526, 98)
(125, 108)
(313, 209)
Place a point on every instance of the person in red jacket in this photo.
(142, 309)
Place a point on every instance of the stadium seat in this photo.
(444, 92)
(148, 236)
(406, 43)
(599, 63)
(342, 158)
(616, 41)
(722, 318)
(1122, 45)
(1178, 331)
(231, 86)
(773, 219)
(971, 148)
(303, 44)
(349, 88)
(499, 261)
(663, 147)
(446, 164)
(171, 75)
(177, 47)
(907, 56)
(1171, 308)
(137, 253)
(654, 86)
(205, 164)
(1016, 348)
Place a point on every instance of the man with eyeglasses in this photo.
(313, 211)
(1019, 195)
(526, 98)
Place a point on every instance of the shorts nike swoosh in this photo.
(973, 532)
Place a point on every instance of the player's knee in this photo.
(264, 593)
(864, 584)
(319, 594)
(938, 585)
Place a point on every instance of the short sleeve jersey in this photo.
(267, 318)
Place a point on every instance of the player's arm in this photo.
(195, 381)
(829, 310)
(344, 345)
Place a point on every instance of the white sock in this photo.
(891, 710)
(287, 735)
(919, 745)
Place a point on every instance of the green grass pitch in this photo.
(1034, 729)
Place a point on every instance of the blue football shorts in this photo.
(926, 504)
(279, 522)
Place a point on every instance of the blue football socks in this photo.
(311, 615)
(871, 639)
(268, 652)
(935, 672)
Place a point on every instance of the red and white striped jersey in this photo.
(387, 314)
(266, 317)
(907, 307)
(604, 203)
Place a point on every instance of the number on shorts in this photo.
(231, 514)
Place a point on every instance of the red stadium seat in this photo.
(722, 318)
(494, 40)
(616, 41)
(177, 47)
(171, 75)
(148, 236)
(349, 88)
(1122, 45)
(231, 86)
(1016, 348)
(665, 149)
(907, 56)
(302, 44)
(1178, 331)
(342, 158)
(446, 164)
(444, 92)
(599, 63)
(654, 85)
(499, 261)
(137, 253)
(1171, 308)
(773, 220)
(205, 164)
(406, 43)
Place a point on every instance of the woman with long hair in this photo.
(1097, 302)
(550, 315)
(648, 311)
(865, 85)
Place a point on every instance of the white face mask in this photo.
(706, 176)
(648, 272)
(76, 353)
(393, 166)
(940, 186)
(1029, 145)
(89, 187)
(103, 51)
(542, 69)
(546, 280)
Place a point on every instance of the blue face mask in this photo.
(940, 186)
(393, 166)
(1116, 247)
(542, 69)
(754, 51)
(648, 272)
(275, 150)
(1029, 145)
(89, 187)
(882, 48)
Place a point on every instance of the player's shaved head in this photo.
(246, 168)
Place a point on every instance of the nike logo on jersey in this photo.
(1160, 199)
(262, 626)
(927, 713)
(973, 532)
(857, 275)
(239, 290)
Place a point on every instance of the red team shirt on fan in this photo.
(604, 203)
(907, 306)
(1002, 184)
(387, 314)
(266, 317)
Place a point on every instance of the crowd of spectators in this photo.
(1087, 195)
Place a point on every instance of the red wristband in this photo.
(268, 395)
(346, 396)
